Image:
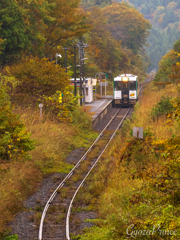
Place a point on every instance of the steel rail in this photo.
(68, 175)
(81, 184)
(151, 78)
(71, 172)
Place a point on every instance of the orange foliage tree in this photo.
(68, 21)
(104, 50)
(37, 77)
(127, 24)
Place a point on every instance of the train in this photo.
(125, 90)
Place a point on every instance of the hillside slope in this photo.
(164, 15)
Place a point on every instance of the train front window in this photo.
(118, 86)
(125, 85)
(132, 85)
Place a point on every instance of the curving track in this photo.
(54, 222)
(55, 217)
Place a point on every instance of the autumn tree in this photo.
(128, 25)
(158, 14)
(39, 27)
(172, 5)
(169, 66)
(100, 3)
(36, 77)
(165, 67)
(104, 51)
(68, 22)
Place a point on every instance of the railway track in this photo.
(54, 222)
(147, 80)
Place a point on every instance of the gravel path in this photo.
(26, 223)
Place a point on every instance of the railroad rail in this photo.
(81, 184)
(114, 123)
(147, 80)
(64, 233)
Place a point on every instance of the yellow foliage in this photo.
(37, 77)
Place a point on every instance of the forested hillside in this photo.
(42, 29)
(115, 42)
(137, 184)
(164, 15)
(31, 34)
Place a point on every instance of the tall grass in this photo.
(54, 141)
(142, 114)
(123, 198)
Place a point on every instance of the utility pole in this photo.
(83, 75)
(81, 63)
(65, 48)
(80, 57)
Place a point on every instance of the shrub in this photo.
(81, 119)
(14, 138)
(163, 107)
(14, 237)
(66, 108)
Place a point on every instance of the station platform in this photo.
(99, 108)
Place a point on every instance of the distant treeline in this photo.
(42, 28)
(164, 15)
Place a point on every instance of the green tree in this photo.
(14, 138)
(12, 31)
(177, 46)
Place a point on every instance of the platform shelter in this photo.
(88, 88)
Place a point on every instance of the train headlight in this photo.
(125, 79)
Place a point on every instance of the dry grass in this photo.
(15, 186)
(54, 141)
(151, 96)
(120, 185)
(87, 108)
(113, 178)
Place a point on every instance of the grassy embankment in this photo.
(137, 182)
(54, 141)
